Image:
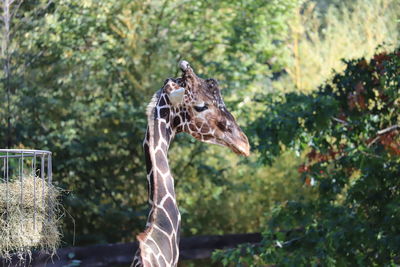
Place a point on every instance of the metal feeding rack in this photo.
(17, 164)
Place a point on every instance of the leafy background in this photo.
(81, 74)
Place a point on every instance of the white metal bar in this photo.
(21, 174)
(42, 176)
(25, 151)
(34, 190)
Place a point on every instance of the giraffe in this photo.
(187, 104)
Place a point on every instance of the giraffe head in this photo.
(201, 112)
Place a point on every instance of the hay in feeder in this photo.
(29, 219)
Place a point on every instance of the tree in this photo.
(87, 71)
(349, 129)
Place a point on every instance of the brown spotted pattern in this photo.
(202, 114)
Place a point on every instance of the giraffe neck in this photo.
(159, 242)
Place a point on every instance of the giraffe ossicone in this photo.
(183, 65)
(187, 104)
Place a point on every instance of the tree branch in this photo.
(36, 13)
(389, 129)
(382, 132)
(16, 8)
(340, 121)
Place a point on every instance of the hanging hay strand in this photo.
(28, 217)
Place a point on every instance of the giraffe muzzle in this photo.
(238, 143)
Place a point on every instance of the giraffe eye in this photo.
(201, 108)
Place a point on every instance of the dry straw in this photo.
(29, 211)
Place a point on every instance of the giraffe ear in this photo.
(176, 96)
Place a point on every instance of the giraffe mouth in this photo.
(238, 144)
(243, 152)
(241, 149)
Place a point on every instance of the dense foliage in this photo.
(349, 129)
(82, 72)
(82, 75)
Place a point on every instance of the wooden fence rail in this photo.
(196, 247)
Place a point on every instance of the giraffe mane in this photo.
(150, 108)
